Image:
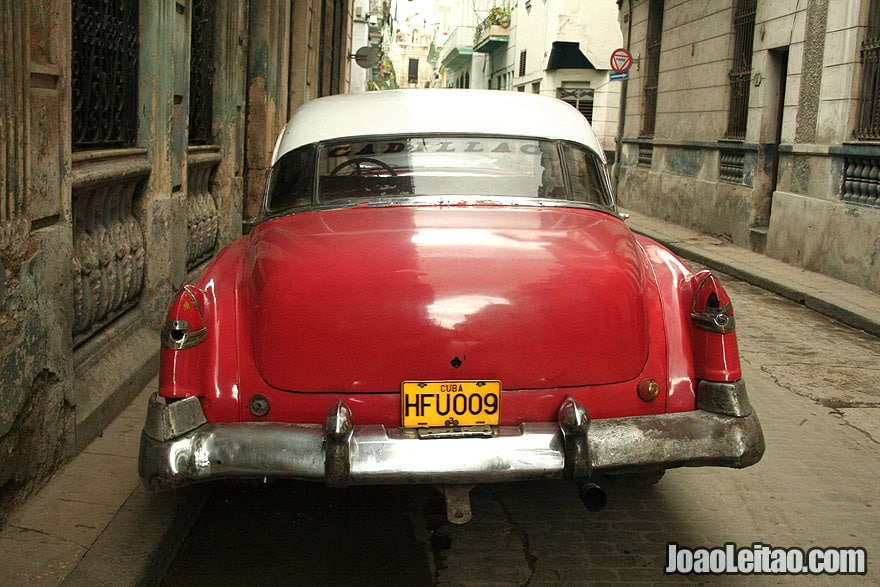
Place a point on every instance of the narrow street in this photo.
(237, 239)
(813, 384)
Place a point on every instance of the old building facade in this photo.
(559, 48)
(136, 136)
(758, 121)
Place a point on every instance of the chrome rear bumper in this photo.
(179, 448)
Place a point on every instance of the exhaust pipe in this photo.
(592, 496)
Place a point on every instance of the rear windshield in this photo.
(402, 167)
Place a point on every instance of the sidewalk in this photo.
(94, 524)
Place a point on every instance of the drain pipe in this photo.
(621, 113)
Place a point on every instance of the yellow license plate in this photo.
(450, 403)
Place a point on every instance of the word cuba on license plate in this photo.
(450, 403)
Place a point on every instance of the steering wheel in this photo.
(356, 163)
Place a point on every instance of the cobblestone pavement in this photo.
(818, 485)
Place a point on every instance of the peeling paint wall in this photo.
(94, 243)
(291, 56)
(36, 412)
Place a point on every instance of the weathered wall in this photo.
(293, 57)
(36, 412)
(810, 224)
(94, 243)
(268, 66)
(682, 186)
(688, 173)
(823, 236)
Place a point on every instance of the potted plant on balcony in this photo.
(499, 16)
(496, 24)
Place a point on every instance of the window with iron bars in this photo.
(104, 69)
(201, 72)
(522, 63)
(652, 69)
(741, 74)
(868, 124)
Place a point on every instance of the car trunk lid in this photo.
(361, 299)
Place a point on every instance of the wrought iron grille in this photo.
(522, 63)
(741, 74)
(869, 106)
(201, 72)
(652, 69)
(104, 77)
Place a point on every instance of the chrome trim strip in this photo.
(448, 200)
(374, 455)
(718, 321)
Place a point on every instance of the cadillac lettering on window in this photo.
(439, 289)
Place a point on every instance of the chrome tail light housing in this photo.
(712, 309)
(184, 325)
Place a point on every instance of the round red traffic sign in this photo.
(621, 60)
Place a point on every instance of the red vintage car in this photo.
(439, 289)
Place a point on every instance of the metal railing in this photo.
(652, 70)
(201, 72)
(868, 125)
(741, 73)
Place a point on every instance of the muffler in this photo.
(592, 496)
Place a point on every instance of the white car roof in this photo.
(430, 111)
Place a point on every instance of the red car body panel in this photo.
(373, 297)
(596, 310)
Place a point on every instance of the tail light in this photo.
(712, 309)
(716, 354)
(185, 322)
(181, 374)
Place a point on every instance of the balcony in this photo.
(494, 32)
(458, 49)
